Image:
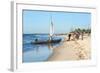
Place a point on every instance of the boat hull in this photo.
(47, 42)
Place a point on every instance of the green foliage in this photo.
(80, 30)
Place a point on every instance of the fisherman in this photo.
(69, 36)
(36, 40)
(82, 34)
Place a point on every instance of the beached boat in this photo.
(51, 34)
(47, 42)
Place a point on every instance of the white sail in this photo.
(51, 29)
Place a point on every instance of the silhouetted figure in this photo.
(36, 40)
(82, 35)
(69, 36)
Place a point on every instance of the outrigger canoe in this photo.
(47, 42)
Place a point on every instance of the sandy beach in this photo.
(72, 50)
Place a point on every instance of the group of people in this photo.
(75, 35)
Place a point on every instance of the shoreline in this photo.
(72, 50)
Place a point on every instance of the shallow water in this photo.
(36, 53)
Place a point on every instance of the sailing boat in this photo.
(51, 34)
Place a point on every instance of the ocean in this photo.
(37, 52)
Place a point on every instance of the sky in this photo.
(64, 22)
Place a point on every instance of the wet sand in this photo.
(72, 50)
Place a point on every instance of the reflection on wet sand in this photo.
(38, 53)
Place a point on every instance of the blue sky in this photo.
(39, 21)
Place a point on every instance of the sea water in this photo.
(37, 52)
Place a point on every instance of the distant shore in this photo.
(72, 50)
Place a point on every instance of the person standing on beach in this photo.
(82, 35)
(69, 36)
